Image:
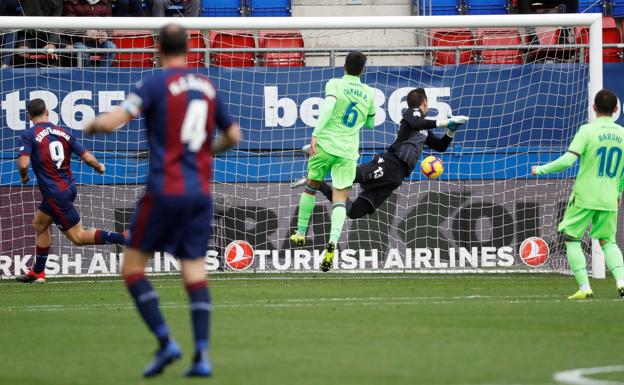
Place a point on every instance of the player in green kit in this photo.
(596, 193)
(348, 105)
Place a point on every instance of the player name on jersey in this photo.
(50, 130)
(191, 82)
(611, 137)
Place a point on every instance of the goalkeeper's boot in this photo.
(298, 182)
(162, 358)
(200, 367)
(32, 277)
(621, 291)
(306, 149)
(297, 239)
(328, 259)
(582, 294)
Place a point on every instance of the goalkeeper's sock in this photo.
(199, 297)
(40, 259)
(146, 301)
(613, 257)
(577, 262)
(306, 207)
(103, 237)
(339, 214)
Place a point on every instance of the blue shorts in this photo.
(179, 225)
(60, 207)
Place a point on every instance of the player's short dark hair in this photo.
(36, 107)
(416, 97)
(605, 102)
(172, 40)
(354, 63)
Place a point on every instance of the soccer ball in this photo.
(432, 167)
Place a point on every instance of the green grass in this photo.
(312, 329)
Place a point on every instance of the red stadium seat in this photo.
(610, 35)
(281, 39)
(196, 40)
(500, 37)
(452, 38)
(232, 39)
(134, 39)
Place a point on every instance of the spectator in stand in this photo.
(8, 37)
(92, 38)
(190, 8)
(125, 8)
(39, 39)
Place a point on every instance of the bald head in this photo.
(172, 40)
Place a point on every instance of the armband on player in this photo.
(132, 105)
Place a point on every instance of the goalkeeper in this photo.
(596, 193)
(385, 172)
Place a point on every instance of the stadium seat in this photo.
(441, 7)
(591, 6)
(486, 7)
(500, 37)
(232, 39)
(281, 39)
(269, 8)
(134, 39)
(196, 40)
(617, 8)
(610, 35)
(221, 8)
(452, 38)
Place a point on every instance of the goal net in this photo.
(525, 84)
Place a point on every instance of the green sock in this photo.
(577, 262)
(306, 207)
(339, 214)
(613, 257)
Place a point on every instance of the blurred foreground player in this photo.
(181, 111)
(50, 148)
(596, 193)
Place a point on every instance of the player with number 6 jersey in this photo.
(50, 147)
(182, 111)
(348, 105)
(596, 193)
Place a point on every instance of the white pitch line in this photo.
(304, 302)
(577, 376)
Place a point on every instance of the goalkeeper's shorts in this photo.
(342, 169)
(577, 219)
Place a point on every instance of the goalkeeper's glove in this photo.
(453, 123)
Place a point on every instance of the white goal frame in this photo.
(594, 21)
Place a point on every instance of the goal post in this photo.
(524, 110)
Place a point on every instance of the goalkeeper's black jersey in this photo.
(414, 133)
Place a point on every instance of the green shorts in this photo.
(342, 169)
(576, 220)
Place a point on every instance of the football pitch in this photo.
(318, 329)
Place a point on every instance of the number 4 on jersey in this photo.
(194, 125)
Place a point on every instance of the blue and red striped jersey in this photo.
(50, 148)
(181, 110)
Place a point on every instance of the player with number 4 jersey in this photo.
(596, 193)
(348, 105)
(182, 111)
(49, 148)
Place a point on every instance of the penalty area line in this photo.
(579, 376)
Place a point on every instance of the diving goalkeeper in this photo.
(385, 172)
(596, 193)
